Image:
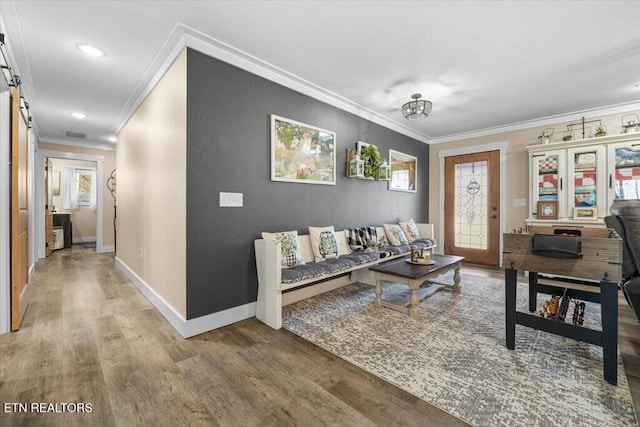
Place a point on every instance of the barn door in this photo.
(19, 212)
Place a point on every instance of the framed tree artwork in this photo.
(302, 153)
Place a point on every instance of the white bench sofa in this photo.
(273, 280)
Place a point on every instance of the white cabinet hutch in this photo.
(581, 179)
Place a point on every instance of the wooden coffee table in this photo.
(413, 276)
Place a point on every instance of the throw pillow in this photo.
(323, 243)
(395, 234)
(410, 230)
(291, 255)
(363, 238)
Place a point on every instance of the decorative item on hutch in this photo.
(545, 136)
(630, 123)
(601, 130)
(567, 136)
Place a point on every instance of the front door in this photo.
(19, 212)
(472, 200)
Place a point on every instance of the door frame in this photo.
(500, 146)
(40, 226)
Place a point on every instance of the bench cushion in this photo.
(339, 264)
(302, 272)
(398, 249)
(361, 257)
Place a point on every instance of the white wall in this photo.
(151, 222)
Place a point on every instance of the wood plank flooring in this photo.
(89, 336)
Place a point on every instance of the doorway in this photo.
(40, 198)
(472, 192)
(72, 201)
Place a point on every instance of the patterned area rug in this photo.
(455, 357)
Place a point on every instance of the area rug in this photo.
(455, 357)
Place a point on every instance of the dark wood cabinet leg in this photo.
(510, 280)
(609, 313)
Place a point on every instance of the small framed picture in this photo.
(416, 255)
(548, 209)
(585, 213)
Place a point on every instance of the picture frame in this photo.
(403, 172)
(548, 209)
(302, 153)
(585, 213)
(55, 184)
(416, 255)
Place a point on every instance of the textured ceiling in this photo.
(484, 65)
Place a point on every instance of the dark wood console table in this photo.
(601, 260)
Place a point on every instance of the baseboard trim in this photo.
(191, 327)
(88, 239)
(106, 249)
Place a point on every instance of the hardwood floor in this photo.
(90, 337)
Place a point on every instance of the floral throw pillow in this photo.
(410, 230)
(323, 243)
(291, 255)
(395, 234)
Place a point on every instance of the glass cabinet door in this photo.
(547, 181)
(624, 171)
(586, 185)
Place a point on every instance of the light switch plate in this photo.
(230, 200)
(519, 202)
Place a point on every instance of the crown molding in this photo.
(545, 121)
(183, 37)
(85, 144)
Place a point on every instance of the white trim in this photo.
(192, 327)
(183, 36)
(105, 249)
(87, 239)
(5, 209)
(41, 155)
(502, 146)
(544, 121)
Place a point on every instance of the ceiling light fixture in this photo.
(417, 109)
(79, 115)
(90, 50)
(112, 139)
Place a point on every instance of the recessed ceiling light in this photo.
(90, 50)
(112, 139)
(79, 115)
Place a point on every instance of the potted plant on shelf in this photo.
(601, 131)
(370, 155)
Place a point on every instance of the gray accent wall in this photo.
(228, 150)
